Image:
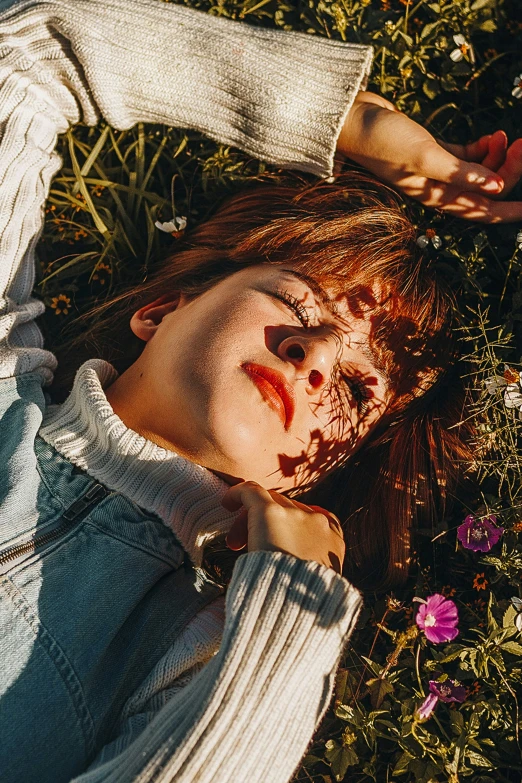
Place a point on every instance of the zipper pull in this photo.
(94, 494)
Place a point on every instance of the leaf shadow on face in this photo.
(410, 357)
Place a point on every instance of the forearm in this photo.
(279, 96)
(250, 714)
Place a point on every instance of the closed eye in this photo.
(359, 391)
(293, 304)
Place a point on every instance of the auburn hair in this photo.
(354, 234)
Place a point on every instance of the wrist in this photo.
(363, 110)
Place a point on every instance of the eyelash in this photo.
(359, 392)
(295, 305)
(357, 387)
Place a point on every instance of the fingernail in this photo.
(492, 185)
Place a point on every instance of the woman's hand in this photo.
(270, 521)
(465, 180)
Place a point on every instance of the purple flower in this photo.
(479, 535)
(438, 618)
(449, 690)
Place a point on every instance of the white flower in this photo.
(430, 236)
(518, 240)
(494, 384)
(517, 86)
(463, 47)
(173, 226)
(513, 396)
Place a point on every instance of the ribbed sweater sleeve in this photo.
(249, 714)
(279, 96)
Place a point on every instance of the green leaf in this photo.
(340, 758)
(509, 616)
(379, 689)
(512, 647)
(431, 88)
(429, 28)
(349, 715)
(477, 759)
(403, 764)
(489, 26)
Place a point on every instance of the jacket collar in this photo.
(87, 432)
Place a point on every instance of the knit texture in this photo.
(244, 709)
(88, 433)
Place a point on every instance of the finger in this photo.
(497, 147)
(489, 151)
(476, 151)
(438, 164)
(511, 169)
(237, 536)
(472, 206)
(247, 494)
(332, 519)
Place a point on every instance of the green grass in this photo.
(100, 235)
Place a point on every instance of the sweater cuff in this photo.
(279, 96)
(301, 596)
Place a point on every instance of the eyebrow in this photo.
(316, 288)
(330, 305)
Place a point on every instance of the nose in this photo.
(312, 356)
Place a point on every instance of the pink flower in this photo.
(438, 618)
(448, 690)
(479, 535)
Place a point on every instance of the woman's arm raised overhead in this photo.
(279, 96)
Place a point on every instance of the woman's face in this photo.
(263, 377)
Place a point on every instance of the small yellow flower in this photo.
(80, 233)
(61, 304)
(480, 582)
(98, 273)
(448, 591)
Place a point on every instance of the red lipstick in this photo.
(275, 389)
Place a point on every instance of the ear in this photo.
(145, 321)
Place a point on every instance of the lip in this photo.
(275, 389)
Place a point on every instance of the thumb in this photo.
(237, 537)
(442, 166)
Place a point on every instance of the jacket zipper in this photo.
(74, 514)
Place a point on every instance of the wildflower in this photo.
(479, 535)
(61, 304)
(80, 233)
(518, 240)
(174, 226)
(448, 591)
(98, 273)
(430, 236)
(438, 618)
(462, 50)
(393, 604)
(490, 53)
(516, 92)
(494, 384)
(480, 582)
(446, 691)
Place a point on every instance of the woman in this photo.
(120, 660)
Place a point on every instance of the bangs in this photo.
(360, 243)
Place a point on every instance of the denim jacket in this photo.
(99, 602)
(93, 592)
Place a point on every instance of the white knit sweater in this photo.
(239, 694)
